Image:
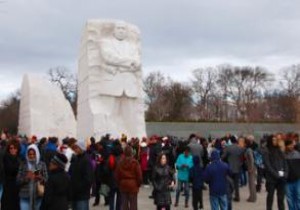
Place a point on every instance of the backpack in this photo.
(258, 159)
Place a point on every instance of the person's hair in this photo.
(270, 141)
(192, 136)
(93, 140)
(187, 148)
(248, 143)
(159, 157)
(43, 141)
(13, 142)
(128, 151)
(31, 149)
(117, 148)
(53, 140)
(288, 142)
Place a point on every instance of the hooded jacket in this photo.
(28, 187)
(215, 175)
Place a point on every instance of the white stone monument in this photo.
(44, 111)
(110, 97)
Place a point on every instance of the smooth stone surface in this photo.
(44, 111)
(110, 91)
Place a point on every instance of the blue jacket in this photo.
(215, 175)
(196, 174)
(183, 172)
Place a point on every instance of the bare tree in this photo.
(67, 81)
(178, 100)
(244, 86)
(154, 87)
(290, 80)
(204, 85)
(290, 84)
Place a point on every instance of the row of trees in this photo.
(223, 93)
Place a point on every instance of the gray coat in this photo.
(233, 154)
(196, 150)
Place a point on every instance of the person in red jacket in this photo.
(129, 179)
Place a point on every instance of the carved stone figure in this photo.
(110, 96)
(44, 110)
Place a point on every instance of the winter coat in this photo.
(183, 172)
(249, 156)
(129, 175)
(196, 150)
(196, 174)
(81, 177)
(144, 158)
(215, 175)
(57, 190)
(155, 149)
(49, 153)
(274, 162)
(10, 197)
(26, 184)
(293, 162)
(28, 187)
(162, 178)
(234, 156)
(1, 165)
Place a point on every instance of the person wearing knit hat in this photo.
(81, 177)
(58, 185)
(59, 160)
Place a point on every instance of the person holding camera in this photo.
(163, 183)
(31, 178)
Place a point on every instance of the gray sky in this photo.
(177, 36)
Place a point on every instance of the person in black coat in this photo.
(58, 185)
(163, 181)
(81, 178)
(155, 148)
(11, 161)
(276, 170)
(2, 152)
(196, 176)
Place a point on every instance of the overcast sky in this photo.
(177, 35)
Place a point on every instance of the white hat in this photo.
(143, 144)
(165, 138)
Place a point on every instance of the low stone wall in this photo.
(218, 129)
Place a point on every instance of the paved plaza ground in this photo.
(147, 204)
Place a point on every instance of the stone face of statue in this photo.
(120, 32)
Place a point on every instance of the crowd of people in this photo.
(49, 174)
